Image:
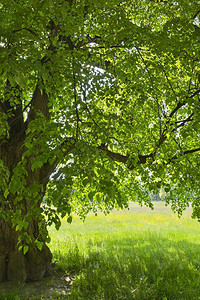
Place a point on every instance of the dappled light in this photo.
(135, 254)
(99, 109)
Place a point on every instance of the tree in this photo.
(99, 103)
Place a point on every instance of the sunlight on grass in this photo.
(131, 254)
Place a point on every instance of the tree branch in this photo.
(27, 29)
(196, 14)
(48, 168)
(113, 155)
(75, 103)
(86, 105)
(194, 94)
(182, 154)
(39, 102)
(179, 105)
(142, 159)
(183, 122)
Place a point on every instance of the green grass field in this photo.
(131, 254)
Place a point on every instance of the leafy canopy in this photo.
(107, 96)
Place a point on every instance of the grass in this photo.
(132, 254)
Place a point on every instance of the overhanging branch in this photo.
(141, 159)
(178, 106)
(175, 157)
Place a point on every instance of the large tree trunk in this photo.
(23, 201)
(14, 265)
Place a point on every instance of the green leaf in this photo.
(25, 249)
(99, 106)
(20, 248)
(39, 164)
(69, 219)
(6, 193)
(39, 244)
(21, 224)
(91, 195)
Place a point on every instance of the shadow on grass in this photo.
(126, 268)
(146, 268)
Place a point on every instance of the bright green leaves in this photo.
(24, 249)
(23, 242)
(114, 73)
(18, 179)
(27, 238)
(16, 185)
(59, 192)
(22, 224)
(39, 244)
(36, 164)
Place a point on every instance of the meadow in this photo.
(133, 254)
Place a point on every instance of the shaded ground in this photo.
(57, 286)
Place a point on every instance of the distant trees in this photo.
(155, 197)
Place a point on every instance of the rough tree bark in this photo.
(14, 264)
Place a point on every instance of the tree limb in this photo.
(48, 168)
(142, 159)
(182, 154)
(178, 106)
(39, 102)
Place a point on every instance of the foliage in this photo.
(101, 99)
